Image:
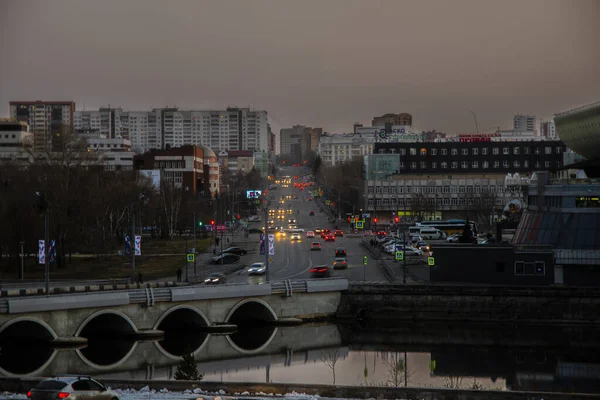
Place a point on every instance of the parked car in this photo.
(257, 269)
(71, 387)
(310, 234)
(454, 238)
(215, 278)
(225, 258)
(235, 250)
(320, 271)
(340, 252)
(315, 246)
(340, 263)
(338, 232)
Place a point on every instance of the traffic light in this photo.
(212, 221)
(375, 220)
(239, 216)
(348, 219)
(200, 223)
(396, 219)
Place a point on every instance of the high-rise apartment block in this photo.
(45, 118)
(548, 130)
(299, 140)
(230, 129)
(524, 123)
(394, 119)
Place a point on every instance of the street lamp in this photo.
(44, 207)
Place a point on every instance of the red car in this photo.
(310, 198)
(329, 237)
(320, 271)
(338, 232)
(315, 246)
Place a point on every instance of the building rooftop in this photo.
(559, 229)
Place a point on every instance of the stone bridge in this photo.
(146, 313)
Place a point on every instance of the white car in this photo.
(453, 238)
(254, 218)
(296, 236)
(257, 269)
(310, 234)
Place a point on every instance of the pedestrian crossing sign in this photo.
(399, 255)
(359, 225)
(430, 261)
(191, 258)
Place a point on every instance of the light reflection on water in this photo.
(368, 368)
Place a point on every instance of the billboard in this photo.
(153, 175)
(253, 194)
(477, 137)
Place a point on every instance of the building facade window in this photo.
(475, 151)
(423, 165)
(454, 152)
(516, 164)
(475, 164)
(505, 150)
(433, 152)
(423, 151)
(454, 164)
(413, 165)
(484, 151)
(516, 151)
(485, 164)
(496, 164)
(465, 152)
(464, 164)
(444, 152)
(495, 151)
(530, 268)
(444, 165)
(548, 150)
(413, 151)
(434, 165)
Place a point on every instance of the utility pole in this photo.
(46, 248)
(267, 239)
(22, 261)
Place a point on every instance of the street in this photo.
(294, 259)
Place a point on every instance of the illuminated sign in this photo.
(253, 194)
(477, 137)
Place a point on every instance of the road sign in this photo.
(359, 225)
(399, 255)
(430, 261)
(366, 215)
(191, 258)
(270, 259)
(365, 259)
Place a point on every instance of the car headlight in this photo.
(207, 280)
(216, 280)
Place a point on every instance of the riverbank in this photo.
(210, 390)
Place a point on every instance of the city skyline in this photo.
(437, 62)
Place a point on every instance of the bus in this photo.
(451, 226)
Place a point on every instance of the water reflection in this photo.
(178, 343)
(23, 358)
(563, 360)
(107, 351)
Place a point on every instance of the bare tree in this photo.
(397, 369)
(330, 358)
(421, 204)
(453, 382)
(170, 199)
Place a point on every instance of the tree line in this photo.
(90, 209)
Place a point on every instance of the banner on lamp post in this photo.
(138, 245)
(262, 244)
(41, 252)
(52, 251)
(271, 245)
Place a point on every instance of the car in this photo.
(312, 213)
(235, 250)
(381, 233)
(320, 271)
(281, 234)
(340, 252)
(315, 246)
(254, 218)
(318, 230)
(329, 237)
(416, 239)
(257, 269)
(225, 258)
(340, 263)
(338, 232)
(215, 279)
(421, 245)
(310, 198)
(453, 238)
(295, 197)
(71, 387)
(296, 236)
(292, 222)
(310, 234)
(368, 233)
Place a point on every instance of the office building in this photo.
(548, 130)
(524, 123)
(338, 148)
(45, 118)
(394, 119)
(15, 140)
(230, 129)
(236, 161)
(192, 169)
(309, 141)
(299, 140)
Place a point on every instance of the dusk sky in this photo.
(323, 63)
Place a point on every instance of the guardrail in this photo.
(149, 295)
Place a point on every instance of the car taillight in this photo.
(323, 270)
(29, 394)
(62, 395)
(313, 270)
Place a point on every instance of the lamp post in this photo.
(44, 206)
(22, 261)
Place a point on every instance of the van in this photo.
(414, 230)
(431, 234)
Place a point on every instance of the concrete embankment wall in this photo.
(549, 305)
(348, 392)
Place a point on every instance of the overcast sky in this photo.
(324, 63)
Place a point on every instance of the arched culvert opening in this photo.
(255, 321)
(183, 328)
(25, 346)
(109, 337)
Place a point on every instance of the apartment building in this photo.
(15, 139)
(230, 129)
(335, 149)
(394, 119)
(523, 122)
(45, 118)
(235, 161)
